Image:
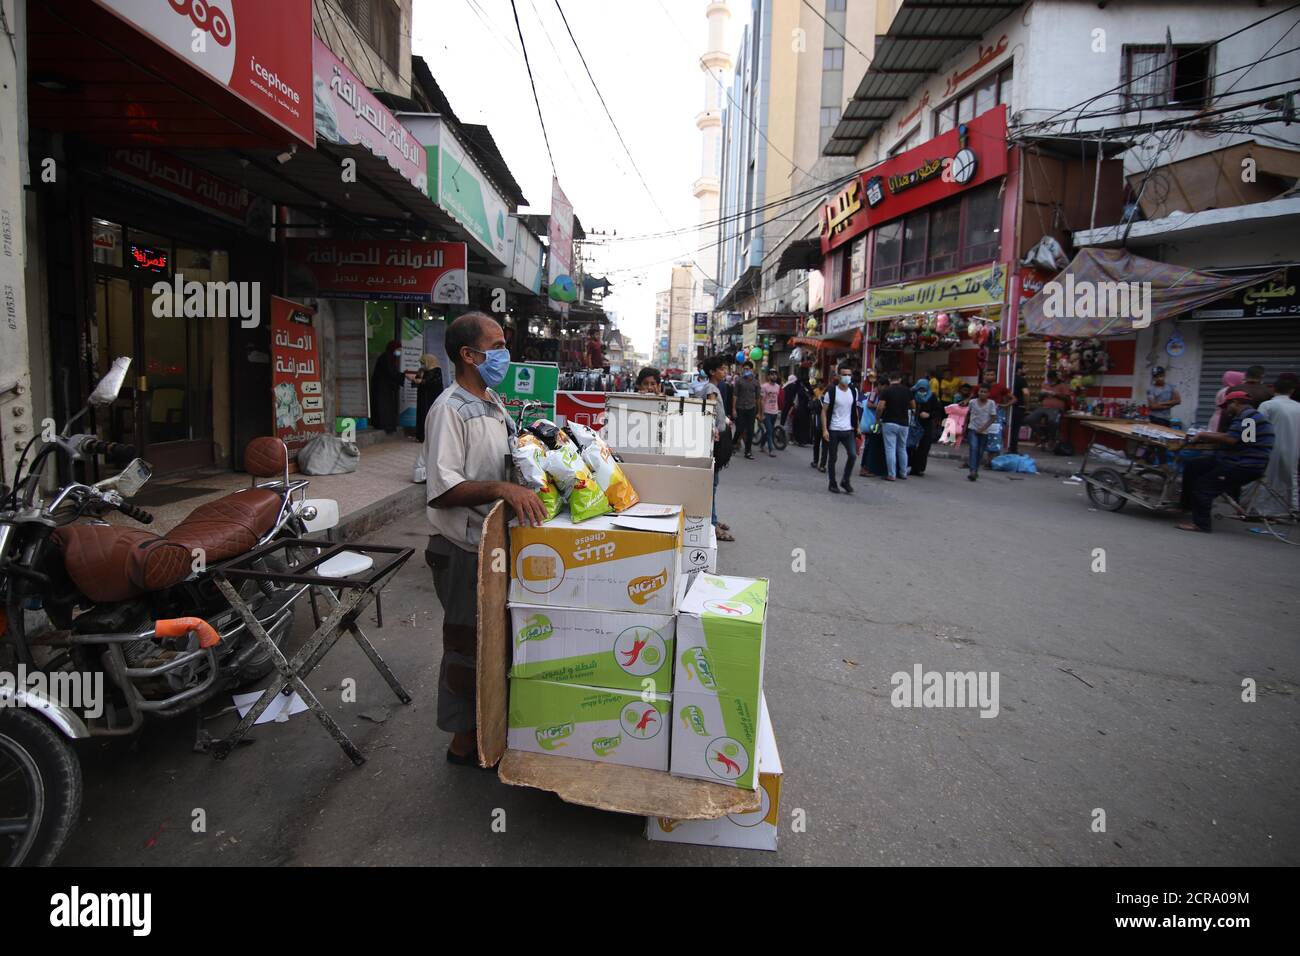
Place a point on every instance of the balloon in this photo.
(755, 354)
(812, 324)
(740, 356)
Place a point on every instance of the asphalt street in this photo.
(1119, 691)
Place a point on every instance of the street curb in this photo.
(358, 524)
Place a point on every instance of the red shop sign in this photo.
(392, 270)
(935, 170)
(585, 408)
(297, 397)
(259, 50)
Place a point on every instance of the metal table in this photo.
(355, 594)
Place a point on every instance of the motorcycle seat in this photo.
(110, 563)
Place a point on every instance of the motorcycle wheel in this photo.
(779, 438)
(40, 789)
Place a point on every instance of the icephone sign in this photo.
(258, 49)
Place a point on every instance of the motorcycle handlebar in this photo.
(139, 514)
(116, 453)
(180, 626)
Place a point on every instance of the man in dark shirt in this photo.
(1241, 458)
(1254, 386)
(744, 406)
(893, 406)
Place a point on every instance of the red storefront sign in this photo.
(260, 51)
(181, 181)
(297, 396)
(347, 112)
(393, 270)
(942, 167)
(585, 408)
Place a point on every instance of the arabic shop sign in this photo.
(837, 215)
(1274, 298)
(298, 401)
(921, 174)
(181, 181)
(392, 270)
(974, 289)
(348, 113)
(151, 260)
(987, 54)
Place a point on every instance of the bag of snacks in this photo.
(529, 455)
(574, 479)
(609, 476)
(549, 433)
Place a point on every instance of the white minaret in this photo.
(716, 64)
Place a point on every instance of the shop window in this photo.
(889, 248)
(980, 98)
(148, 251)
(981, 232)
(945, 236)
(106, 242)
(1180, 77)
(858, 265)
(915, 233)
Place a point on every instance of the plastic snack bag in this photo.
(529, 455)
(549, 433)
(609, 476)
(574, 479)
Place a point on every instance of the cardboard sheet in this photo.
(493, 637)
(625, 789)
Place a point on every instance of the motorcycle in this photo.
(105, 625)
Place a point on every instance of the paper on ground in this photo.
(279, 710)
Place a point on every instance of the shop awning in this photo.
(922, 37)
(800, 254)
(1103, 292)
(831, 340)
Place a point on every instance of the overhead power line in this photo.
(531, 82)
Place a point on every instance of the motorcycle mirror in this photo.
(108, 387)
(133, 478)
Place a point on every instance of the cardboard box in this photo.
(615, 649)
(702, 555)
(751, 830)
(718, 680)
(698, 532)
(589, 723)
(613, 563)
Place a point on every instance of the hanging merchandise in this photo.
(812, 325)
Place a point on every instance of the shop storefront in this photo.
(914, 257)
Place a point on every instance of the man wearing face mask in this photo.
(744, 406)
(465, 448)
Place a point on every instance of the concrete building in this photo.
(795, 67)
(1098, 150)
(716, 67)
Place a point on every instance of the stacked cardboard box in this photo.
(718, 680)
(593, 636)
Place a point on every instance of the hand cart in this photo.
(1153, 478)
(349, 576)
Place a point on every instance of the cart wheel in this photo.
(1098, 493)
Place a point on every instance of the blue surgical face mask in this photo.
(494, 367)
(846, 379)
(397, 353)
(748, 374)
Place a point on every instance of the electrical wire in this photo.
(524, 48)
(1195, 50)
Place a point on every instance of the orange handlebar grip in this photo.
(179, 626)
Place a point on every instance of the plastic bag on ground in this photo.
(1018, 463)
(327, 455)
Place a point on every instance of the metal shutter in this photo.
(1236, 345)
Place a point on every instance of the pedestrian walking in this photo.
(839, 423)
(428, 386)
(771, 394)
(983, 415)
(819, 447)
(894, 407)
(873, 443)
(929, 415)
(1019, 407)
(715, 370)
(744, 406)
(386, 388)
